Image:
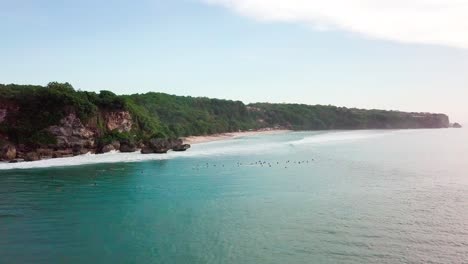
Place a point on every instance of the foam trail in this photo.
(111, 157)
(237, 146)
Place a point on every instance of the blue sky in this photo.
(220, 48)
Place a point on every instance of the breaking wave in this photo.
(243, 145)
(338, 136)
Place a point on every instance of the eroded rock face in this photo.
(45, 153)
(162, 145)
(126, 146)
(79, 150)
(32, 156)
(182, 147)
(146, 150)
(159, 145)
(8, 152)
(116, 145)
(108, 148)
(71, 132)
(120, 121)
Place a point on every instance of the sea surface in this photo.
(377, 196)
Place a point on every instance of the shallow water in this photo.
(356, 197)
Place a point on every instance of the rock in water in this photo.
(163, 145)
(146, 150)
(456, 125)
(182, 147)
(159, 145)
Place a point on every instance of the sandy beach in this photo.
(225, 136)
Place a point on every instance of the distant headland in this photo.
(39, 122)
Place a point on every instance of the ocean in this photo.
(376, 196)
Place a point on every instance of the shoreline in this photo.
(193, 140)
(117, 156)
(123, 157)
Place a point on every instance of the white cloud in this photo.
(439, 22)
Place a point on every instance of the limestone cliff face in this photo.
(7, 152)
(120, 121)
(71, 132)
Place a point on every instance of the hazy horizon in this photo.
(412, 57)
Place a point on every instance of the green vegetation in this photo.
(184, 116)
(112, 136)
(320, 117)
(33, 108)
(40, 107)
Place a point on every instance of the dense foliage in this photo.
(40, 107)
(184, 116)
(34, 108)
(320, 117)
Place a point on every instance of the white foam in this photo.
(244, 146)
(111, 157)
(203, 149)
(338, 136)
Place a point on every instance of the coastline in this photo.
(117, 156)
(192, 140)
(137, 156)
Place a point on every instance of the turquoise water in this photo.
(356, 197)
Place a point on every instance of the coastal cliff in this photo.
(54, 121)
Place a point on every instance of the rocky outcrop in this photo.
(161, 146)
(456, 125)
(120, 121)
(115, 145)
(423, 120)
(32, 156)
(79, 150)
(45, 153)
(146, 150)
(7, 152)
(62, 153)
(182, 147)
(73, 138)
(107, 148)
(127, 146)
(71, 132)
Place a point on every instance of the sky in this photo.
(409, 55)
